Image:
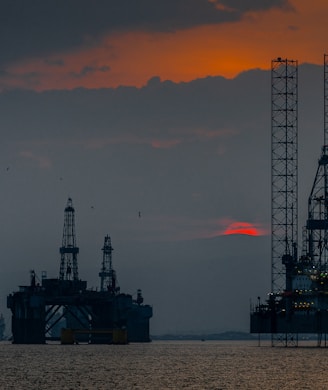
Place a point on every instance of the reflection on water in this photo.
(212, 365)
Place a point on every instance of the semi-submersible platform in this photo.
(64, 309)
(298, 301)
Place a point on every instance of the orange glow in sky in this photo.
(132, 58)
(243, 228)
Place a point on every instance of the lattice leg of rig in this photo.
(322, 340)
(284, 339)
(319, 339)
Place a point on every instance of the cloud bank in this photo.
(37, 28)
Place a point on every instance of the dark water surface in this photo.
(212, 365)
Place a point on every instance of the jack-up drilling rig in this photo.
(81, 314)
(298, 301)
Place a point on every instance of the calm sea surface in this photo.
(211, 365)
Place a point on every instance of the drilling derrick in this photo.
(69, 250)
(284, 205)
(108, 281)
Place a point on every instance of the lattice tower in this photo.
(284, 169)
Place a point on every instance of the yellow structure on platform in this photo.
(117, 336)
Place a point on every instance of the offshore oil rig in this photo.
(298, 301)
(64, 309)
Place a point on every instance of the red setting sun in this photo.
(243, 228)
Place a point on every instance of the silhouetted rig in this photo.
(64, 309)
(298, 301)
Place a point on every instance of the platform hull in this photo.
(39, 313)
(310, 322)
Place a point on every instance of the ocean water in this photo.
(212, 365)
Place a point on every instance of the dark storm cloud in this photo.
(38, 28)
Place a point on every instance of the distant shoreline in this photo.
(204, 337)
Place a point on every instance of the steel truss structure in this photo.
(284, 168)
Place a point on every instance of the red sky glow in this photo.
(245, 228)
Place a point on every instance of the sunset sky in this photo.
(68, 44)
(160, 107)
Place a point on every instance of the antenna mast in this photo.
(69, 250)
